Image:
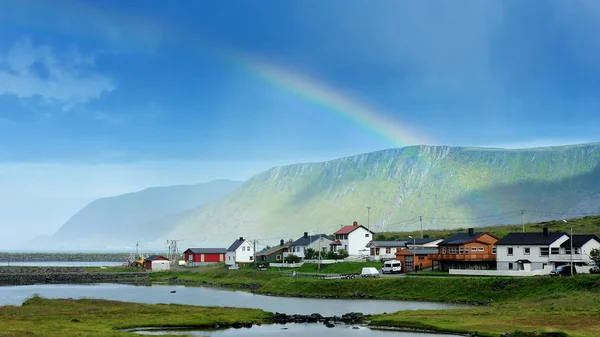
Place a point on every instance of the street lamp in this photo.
(414, 258)
(571, 240)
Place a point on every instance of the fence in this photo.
(286, 265)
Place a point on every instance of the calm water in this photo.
(313, 330)
(60, 264)
(15, 295)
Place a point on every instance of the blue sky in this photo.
(93, 93)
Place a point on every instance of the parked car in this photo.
(391, 267)
(369, 272)
(563, 271)
(595, 270)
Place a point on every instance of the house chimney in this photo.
(471, 231)
(241, 238)
(355, 223)
(281, 242)
(545, 232)
(305, 234)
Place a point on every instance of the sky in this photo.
(99, 98)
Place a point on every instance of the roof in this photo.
(271, 250)
(395, 243)
(461, 238)
(336, 243)
(236, 244)
(423, 251)
(580, 240)
(307, 240)
(207, 250)
(155, 257)
(523, 261)
(351, 228)
(529, 238)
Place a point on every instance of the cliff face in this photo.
(443, 184)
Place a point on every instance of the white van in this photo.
(369, 272)
(391, 267)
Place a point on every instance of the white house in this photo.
(529, 251)
(318, 242)
(385, 250)
(240, 251)
(582, 246)
(353, 239)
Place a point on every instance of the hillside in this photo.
(446, 185)
(143, 215)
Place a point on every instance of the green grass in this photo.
(585, 225)
(572, 313)
(54, 317)
(338, 268)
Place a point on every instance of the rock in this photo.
(330, 325)
(506, 334)
(247, 325)
(355, 328)
(237, 325)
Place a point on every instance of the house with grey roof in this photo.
(240, 251)
(318, 242)
(385, 250)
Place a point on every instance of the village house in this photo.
(422, 256)
(157, 263)
(470, 250)
(423, 243)
(273, 254)
(240, 251)
(318, 242)
(353, 239)
(543, 250)
(199, 256)
(385, 250)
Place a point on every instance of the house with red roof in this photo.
(353, 239)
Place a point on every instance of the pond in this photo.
(305, 329)
(15, 295)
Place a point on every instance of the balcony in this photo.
(567, 257)
(463, 257)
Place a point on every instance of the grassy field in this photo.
(87, 317)
(573, 313)
(585, 225)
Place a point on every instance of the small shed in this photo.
(198, 256)
(157, 263)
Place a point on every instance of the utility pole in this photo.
(254, 249)
(369, 217)
(523, 219)
(421, 221)
(137, 250)
(571, 239)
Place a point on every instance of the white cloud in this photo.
(37, 73)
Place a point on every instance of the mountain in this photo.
(450, 187)
(143, 215)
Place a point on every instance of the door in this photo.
(408, 261)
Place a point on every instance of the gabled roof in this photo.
(529, 238)
(236, 244)
(351, 228)
(396, 243)
(462, 238)
(580, 240)
(155, 257)
(336, 243)
(271, 250)
(206, 250)
(307, 240)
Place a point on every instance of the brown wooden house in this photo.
(470, 250)
(422, 256)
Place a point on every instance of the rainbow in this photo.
(333, 101)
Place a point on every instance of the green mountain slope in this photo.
(141, 215)
(450, 187)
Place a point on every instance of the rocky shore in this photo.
(33, 275)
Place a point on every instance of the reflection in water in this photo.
(313, 330)
(15, 295)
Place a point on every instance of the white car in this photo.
(369, 272)
(391, 267)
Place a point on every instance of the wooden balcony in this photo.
(463, 257)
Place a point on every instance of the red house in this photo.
(148, 261)
(198, 256)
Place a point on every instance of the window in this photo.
(325, 249)
(481, 249)
(526, 250)
(388, 250)
(444, 250)
(421, 258)
(191, 257)
(453, 250)
(509, 251)
(278, 257)
(493, 250)
(568, 250)
(345, 236)
(376, 251)
(367, 235)
(510, 266)
(577, 251)
(554, 251)
(251, 257)
(466, 250)
(462, 250)
(544, 251)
